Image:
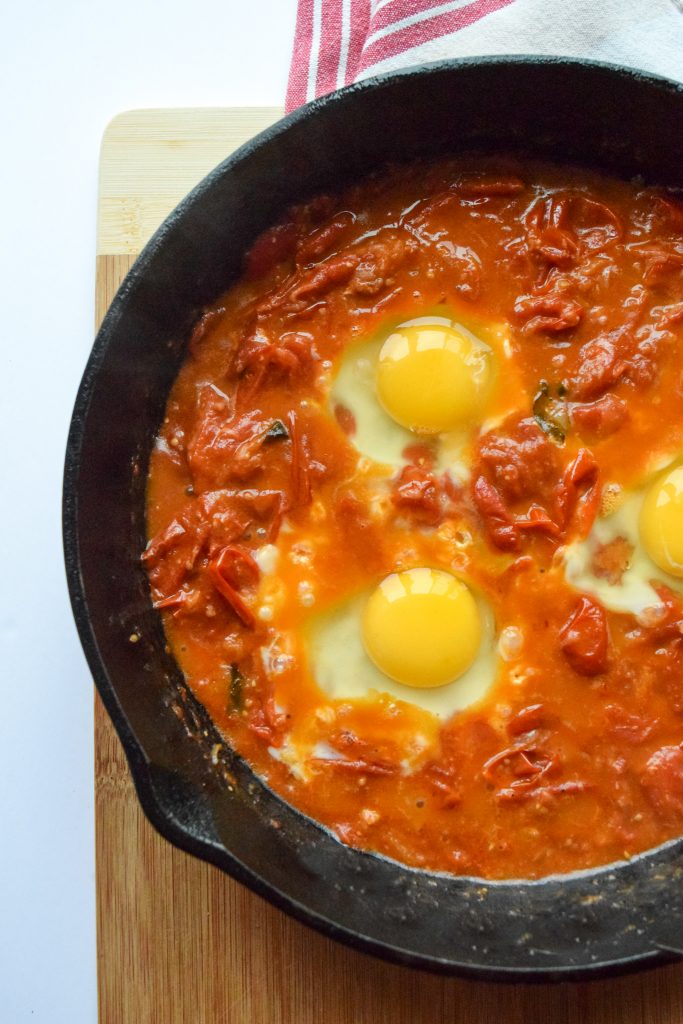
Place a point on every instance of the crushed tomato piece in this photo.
(584, 638)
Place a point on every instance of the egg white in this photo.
(377, 435)
(343, 671)
(635, 594)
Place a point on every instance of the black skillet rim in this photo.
(218, 855)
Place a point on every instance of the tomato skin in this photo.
(314, 246)
(519, 461)
(420, 454)
(600, 418)
(663, 782)
(571, 500)
(584, 638)
(601, 366)
(417, 490)
(548, 314)
(270, 248)
(231, 569)
(298, 296)
(523, 465)
(527, 720)
(345, 419)
(499, 523)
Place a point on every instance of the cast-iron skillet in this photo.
(581, 925)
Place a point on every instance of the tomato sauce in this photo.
(574, 757)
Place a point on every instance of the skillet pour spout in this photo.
(617, 918)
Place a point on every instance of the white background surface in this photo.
(65, 69)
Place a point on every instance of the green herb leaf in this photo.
(549, 414)
(277, 431)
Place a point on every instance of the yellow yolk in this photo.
(432, 377)
(661, 522)
(422, 627)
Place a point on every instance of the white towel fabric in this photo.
(645, 34)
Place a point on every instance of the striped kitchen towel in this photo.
(340, 41)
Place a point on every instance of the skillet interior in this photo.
(615, 918)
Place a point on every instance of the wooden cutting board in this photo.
(178, 941)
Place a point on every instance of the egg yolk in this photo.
(661, 522)
(432, 377)
(422, 627)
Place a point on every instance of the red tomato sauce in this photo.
(574, 757)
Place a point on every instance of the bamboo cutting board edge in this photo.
(178, 941)
(150, 159)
